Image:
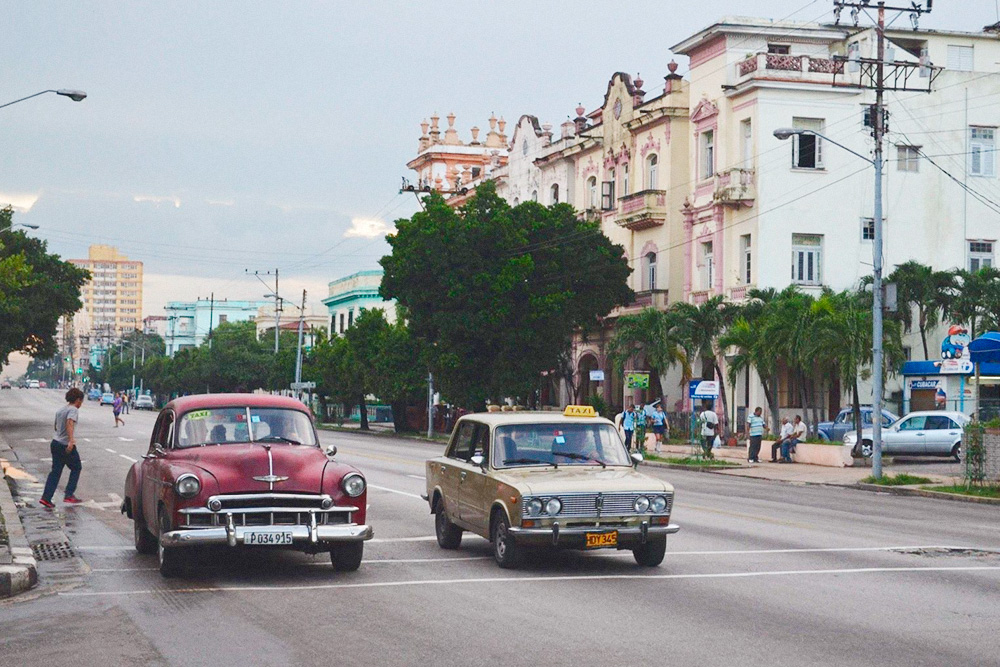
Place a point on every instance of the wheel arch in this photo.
(496, 510)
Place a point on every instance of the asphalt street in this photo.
(762, 573)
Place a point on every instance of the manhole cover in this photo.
(53, 550)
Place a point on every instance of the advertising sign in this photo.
(597, 376)
(637, 380)
(703, 389)
(956, 367)
(924, 384)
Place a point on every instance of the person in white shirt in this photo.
(709, 429)
(784, 436)
(799, 432)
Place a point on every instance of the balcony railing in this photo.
(785, 67)
(735, 187)
(642, 210)
(654, 298)
(740, 292)
(698, 298)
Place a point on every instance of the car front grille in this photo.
(612, 504)
(267, 509)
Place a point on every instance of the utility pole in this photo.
(211, 318)
(298, 353)
(430, 405)
(872, 75)
(277, 301)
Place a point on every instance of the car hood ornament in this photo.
(270, 479)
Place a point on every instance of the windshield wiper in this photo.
(279, 438)
(524, 460)
(580, 457)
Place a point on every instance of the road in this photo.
(762, 573)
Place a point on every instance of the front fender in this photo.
(167, 497)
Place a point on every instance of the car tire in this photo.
(506, 552)
(866, 449)
(145, 543)
(449, 536)
(651, 553)
(169, 558)
(956, 452)
(347, 557)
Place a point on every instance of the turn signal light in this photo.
(661, 520)
(527, 523)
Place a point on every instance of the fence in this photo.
(982, 454)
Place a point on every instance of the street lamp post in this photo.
(877, 333)
(75, 95)
(18, 224)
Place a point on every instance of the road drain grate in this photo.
(950, 551)
(53, 550)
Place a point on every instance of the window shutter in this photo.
(607, 195)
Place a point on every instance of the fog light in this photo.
(327, 503)
(215, 504)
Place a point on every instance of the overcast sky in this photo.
(224, 136)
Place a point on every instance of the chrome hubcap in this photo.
(501, 541)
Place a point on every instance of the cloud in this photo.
(366, 228)
(20, 201)
(155, 199)
(221, 202)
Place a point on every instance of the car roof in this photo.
(530, 417)
(930, 413)
(209, 401)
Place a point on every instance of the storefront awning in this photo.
(934, 368)
(985, 349)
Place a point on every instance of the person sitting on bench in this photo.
(784, 436)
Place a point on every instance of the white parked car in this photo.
(931, 433)
(143, 402)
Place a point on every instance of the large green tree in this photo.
(922, 289)
(36, 289)
(495, 293)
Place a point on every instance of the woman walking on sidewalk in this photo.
(64, 452)
(116, 407)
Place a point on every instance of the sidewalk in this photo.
(18, 568)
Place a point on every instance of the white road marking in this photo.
(126, 439)
(538, 579)
(386, 561)
(37, 440)
(110, 450)
(402, 493)
(128, 458)
(416, 476)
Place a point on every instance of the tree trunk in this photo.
(724, 417)
(804, 399)
(364, 412)
(923, 333)
(399, 423)
(770, 393)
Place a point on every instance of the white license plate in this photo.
(268, 537)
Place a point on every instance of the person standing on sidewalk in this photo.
(659, 426)
(709, 429)
(628, 425)
(64, 451)
(755, 429)
(116, 407)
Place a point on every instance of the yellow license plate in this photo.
(598, 540)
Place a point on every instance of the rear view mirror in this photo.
(636, 459)
(477, 460)
(331, 450)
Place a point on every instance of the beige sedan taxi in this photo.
(524, 479)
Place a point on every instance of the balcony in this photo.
(735, 187)
(655, 298)
(642, 210)
(785, 67)
(740, 292)
(698, 298)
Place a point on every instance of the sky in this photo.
(224, 137)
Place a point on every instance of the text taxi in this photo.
(525, 479)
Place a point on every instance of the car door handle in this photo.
(919, 435)
(462, 476)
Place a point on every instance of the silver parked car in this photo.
(931, 433)
(143, 402)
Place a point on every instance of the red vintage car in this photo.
(243, 470)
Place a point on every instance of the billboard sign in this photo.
(637, 380)
(703, 389)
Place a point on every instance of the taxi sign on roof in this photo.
(580, 411)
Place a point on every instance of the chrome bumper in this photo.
(234, 535)
(573, 537)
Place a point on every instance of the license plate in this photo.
(267, 537)
(598, 540)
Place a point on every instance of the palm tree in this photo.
(649, 332)
(976, 299)
(929, 291)
(698, 329)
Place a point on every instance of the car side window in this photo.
(913, 424)
(887, 421)
(163, 431)
(842, 417)
(481, 441)
(461, 447)
(938, 423)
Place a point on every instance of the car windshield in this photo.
(220, 426)
(558, 444)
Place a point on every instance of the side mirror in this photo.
(331, 450)
(158, 451)
(477, 460)
(636, 459)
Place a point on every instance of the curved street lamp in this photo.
(18, 224)
(75, 95)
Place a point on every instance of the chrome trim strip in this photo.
(264, 510)
(199, 537)
(318, 497)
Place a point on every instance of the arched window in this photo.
(554, 191)
(650, 273)
(652, 175)
(534, 195)
(592, 192)
(625, 179)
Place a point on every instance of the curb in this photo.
(911, 491)
(678, 466)
(22, 573)
(379, 434)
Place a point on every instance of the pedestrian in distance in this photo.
(628, 426)
(755, 429)
(659, 425)
(116, 408)
(784, 436)
(64, 451)
(799, 432)
(126, 399)
(709, 428)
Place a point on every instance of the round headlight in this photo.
(659, 504)
(554, 506)
(187, 486)
(354, 485)
(641, 504)
(215, 504)
(534, 507)
(326, 503)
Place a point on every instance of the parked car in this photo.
(34, 384)
(834, 431)
(107, 398)
(243, 470)
(143, 402)
(5, 385)
(932, 433)
(43, 385)
(542, 479)
(94, 395)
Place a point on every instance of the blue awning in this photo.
(985, 349)
(934, 368)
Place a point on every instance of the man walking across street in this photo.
(783, 436)
(628, 425)
(64, 451)
(709, 429)
(116, 407)
(755, 429)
